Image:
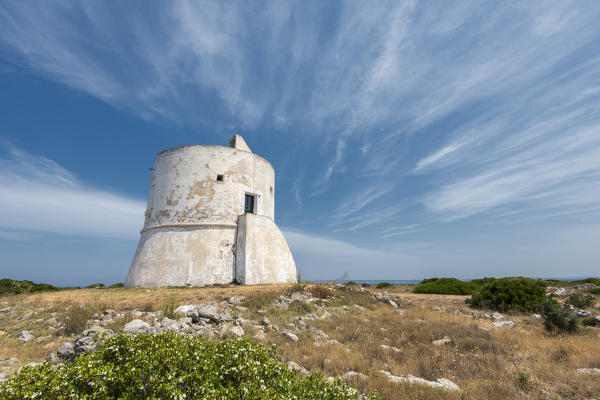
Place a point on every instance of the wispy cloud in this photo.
(38, 195)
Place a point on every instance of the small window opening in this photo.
(220, 178)
(271, 189)
(250, 203)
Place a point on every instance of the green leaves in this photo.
(510, 294)
(172, 366)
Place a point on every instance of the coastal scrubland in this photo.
(366, 336)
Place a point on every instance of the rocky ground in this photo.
(405, 345)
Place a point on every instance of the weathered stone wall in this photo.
(197, 194)
(263, 255)
(185, 189)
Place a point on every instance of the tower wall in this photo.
(197, 196)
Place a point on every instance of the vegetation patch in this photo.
(384, 285)
(510, 294)
(580, 300)
(10, 286)
(445, 286)
(171, 366)
(558, 319)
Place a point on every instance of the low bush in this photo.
(510, 294)
(95, 286)
(557, 318)
(301, 307)
(594, 290)
(77, 317)
(580, 300)
(168, 308)
(171, 366)
(320, 291)
(351, 283)
(10, 286)
(445, 286)
(117, 285)
(384, 285)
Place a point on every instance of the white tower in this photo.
(210, 220)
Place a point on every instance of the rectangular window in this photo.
(250, 204)
(220, 178)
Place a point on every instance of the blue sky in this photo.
(410, 139)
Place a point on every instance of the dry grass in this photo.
(524, 362)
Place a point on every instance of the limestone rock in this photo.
(53, 359)
(385, 347)
(497, 316)
(185, 308)
(399, 311)
(260, 335)
(442, 341)
(65, 351)
(136, 326)
(265, 321)
(589, 371)
(354, 374)
(236, 331)
(535, 316)
(583, 313)
(504, 324)
(290, 335)
(25, 336)
(441, 383)
(292, 366)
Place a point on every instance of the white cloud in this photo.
(38, 195)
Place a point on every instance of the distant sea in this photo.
(415, 281)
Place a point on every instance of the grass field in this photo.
(485, 361)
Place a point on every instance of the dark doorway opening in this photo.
(250, 204)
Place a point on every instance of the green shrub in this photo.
(168, 308)
(301, 307)
(117, 285)
(384, 285)
(510, 294)
(523, 379)
(444, 286)
(171, 366)
(594, 290)
(580, 300)
(557, 318)
(10, 286)
(95, 286)
(351, 283)
(365, 285)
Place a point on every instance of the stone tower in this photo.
(210, 220)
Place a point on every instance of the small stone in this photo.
(583, 313)
(393, 303)
(290, 336)
(497, 316)
(136, 326)
(185, 308)
(25, 336)
(260, 335)
(237, 301)
(65, 351)
(399, 311)
(589, 371)
(385, 347)
(265, 321)
(237, 331)
(504, 324)
(535, 316)
(354, 374)
(292, 366)
(442, 341)
(9, 361)
(326, 314)
(52, 359)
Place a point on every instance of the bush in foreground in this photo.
(510, 294)
(171, 366)
(445, 286)
(557, 318)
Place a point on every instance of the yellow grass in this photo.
(485, 363)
